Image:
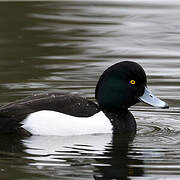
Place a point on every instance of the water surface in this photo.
(64, 47)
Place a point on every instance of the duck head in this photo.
(123, 85)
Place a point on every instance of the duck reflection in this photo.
(103, 156)
(118, 165)
(11, 143)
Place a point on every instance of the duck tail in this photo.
(8, 125)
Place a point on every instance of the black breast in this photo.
(122, 121)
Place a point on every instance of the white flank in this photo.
(54, 123)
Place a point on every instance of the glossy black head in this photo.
(120, 86)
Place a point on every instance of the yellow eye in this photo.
(133, 82)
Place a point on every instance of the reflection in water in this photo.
(118, 164)
(108, 156)
(66, 154)
(102, 156)
(64, 47)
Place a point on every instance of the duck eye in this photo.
(133, 82)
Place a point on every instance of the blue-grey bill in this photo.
(152, 100)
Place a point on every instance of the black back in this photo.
(13, 113)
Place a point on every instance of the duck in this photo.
(120, 86)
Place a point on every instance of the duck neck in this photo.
(122, 121)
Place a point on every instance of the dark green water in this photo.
(64, 47)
